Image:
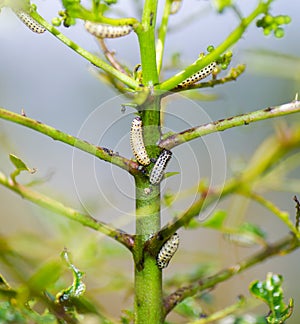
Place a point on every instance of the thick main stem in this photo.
(148, 277)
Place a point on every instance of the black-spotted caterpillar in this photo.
(107, 31)
(167, 251)
(159, 167)
(202, 74)
(137, 142)
(30, 22)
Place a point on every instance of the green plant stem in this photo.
(100, 152)
(59, 208)
(223, 124)
(233, 74)
(133, 84)
(148, 278)
(284, 216)
(162, 32)
(146, 36)
(238, 306)
(270, 152)
(282, 247)
(213, 56)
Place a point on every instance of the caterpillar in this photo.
(30, 22)
(158, 170)
(137, 142)
(167, 251)
(202, 74)
(107, 31)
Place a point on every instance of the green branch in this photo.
(213, 56)
(271, 151)
(84, 53)
(223, 124)
(283, 216)
(284, 246)
(59, 208)
(233, 74)
(146, 36)
(100, 152)
(162, 32)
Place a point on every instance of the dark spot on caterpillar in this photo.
(268, 109)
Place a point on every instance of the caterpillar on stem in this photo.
(167, 251)
(202, 74)
(107, 31)
(29, 21)
(159, 167)
(137, 142)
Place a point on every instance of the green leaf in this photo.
(46, 276)
(270, 292)
(216, 221)
(18, 163)
(168, 198)
(246, 235)
(67, 297)
(170, 174)
(189, 308)
(20, 166)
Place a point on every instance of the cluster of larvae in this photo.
(140, 153)
(138, 147)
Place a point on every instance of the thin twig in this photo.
(111, 56)
(100, 152)
(281, 247)
(297, 213)
(130, 82)
(162, 32)
(223, 124)
(59, 208)
(233, 74)
(272, 149)
(235, 36)
(284, 216)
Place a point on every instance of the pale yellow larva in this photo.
(159, 167)
(167, 251)
(202, 74)
(30, 22)
(107, 31)
(137, 142)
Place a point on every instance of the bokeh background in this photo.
(58, 87)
